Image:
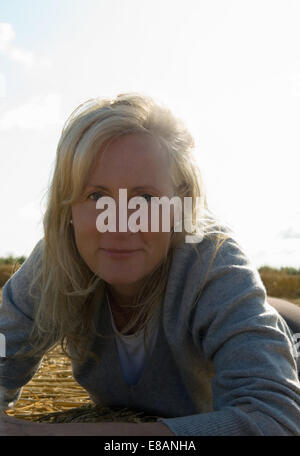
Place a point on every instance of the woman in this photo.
(180, 330)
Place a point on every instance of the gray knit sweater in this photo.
(223, 367)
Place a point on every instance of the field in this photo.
(53, 394)
(283, 283)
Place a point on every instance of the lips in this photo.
(120, 253)
(120, 250)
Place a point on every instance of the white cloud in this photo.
(284, 252)
(290, 233)
(37, 113)
(7, 34)
(2, 86)
(17, 54)
(21, 56)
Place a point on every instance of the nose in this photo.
(122, 215)
(114, 218)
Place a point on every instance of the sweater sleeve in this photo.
(256, 389)
(16, 321)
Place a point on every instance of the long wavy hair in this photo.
(67, 294)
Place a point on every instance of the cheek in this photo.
(85, 230)
(158, 245)
(84, 218)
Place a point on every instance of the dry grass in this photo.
(53, 395)
(280, 284)
(52, 389)
(6, 270)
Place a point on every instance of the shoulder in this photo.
(17, 290)
(27, 269)
(212, 277)
(218, 253)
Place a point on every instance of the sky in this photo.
(229, 69)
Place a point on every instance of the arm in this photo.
(289, 311)
(10, 426)
(9, 398)
(16, 321)
(256, 389)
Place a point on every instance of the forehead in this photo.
(131, 160)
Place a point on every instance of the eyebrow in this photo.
(140, 187)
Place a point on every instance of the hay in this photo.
(53, 396)
(95, 414)
(52, 389)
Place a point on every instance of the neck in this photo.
(122, 296)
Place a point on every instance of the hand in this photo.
(106, 429)
(10, 426)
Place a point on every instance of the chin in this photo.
(122, 272)
(120, 277)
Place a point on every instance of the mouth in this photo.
(120, 253)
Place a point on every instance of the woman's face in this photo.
(134, 162)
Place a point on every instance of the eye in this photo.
(95, 196)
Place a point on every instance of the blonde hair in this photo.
(66, 291)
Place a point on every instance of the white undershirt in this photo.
(132, 351)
